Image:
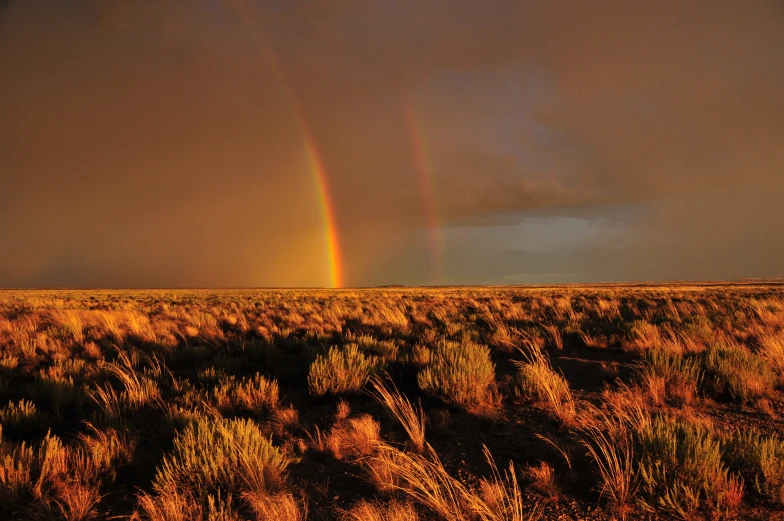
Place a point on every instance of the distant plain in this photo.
(660, 401)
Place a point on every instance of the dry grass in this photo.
(21, 416)
(354, 437)
(78, 502)
(424, 480)
(772, 350)
(108, 449)
(671, 377)
(280, 507)
(610, 445)
(393, 511)
(48, 478)
(191, 387)
(543, 479)
(254, 395)
(412, 419)
(536, 377)
(351, 438)
(174, 505)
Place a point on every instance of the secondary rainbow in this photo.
(418, 145)
(314, 160)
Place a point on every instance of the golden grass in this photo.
(543, 479)
(392, 511)
(412, 419)
(459, 373)
(610, 445)
(202, 377)
(214, 454)
(772, 350)
(424, 480)
(279, 507)
(341, 371)
(354, 437)
(536, 377)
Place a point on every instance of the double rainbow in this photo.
(318, 170)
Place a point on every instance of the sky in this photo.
(250, 143)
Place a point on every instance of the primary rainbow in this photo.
(418, 146)
(315, 162)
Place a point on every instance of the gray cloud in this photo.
(153, 143)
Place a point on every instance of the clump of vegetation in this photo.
(20, 418)
(392, 511)
(411, 418)
(176, 397)
(671, 376)
(280, 507)
(341, 371)
(537, 378)
(216, 454)
(760, 459)
(459, 373)
(253, 395)
(681, 470)
(424, 480)
(736, 372)
(349, 438)
(108, 449)
(47, 479)
(772, 351)
(387, 350)
(609, 440)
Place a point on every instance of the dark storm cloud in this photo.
(153, 143)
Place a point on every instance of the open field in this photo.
(481, 404)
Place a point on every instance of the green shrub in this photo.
(760, 460)
(738, 373)
(461, 373)
(681, 470)
(20, 418)
(385, 349)
(670, 376)
(253, 395)
(341, 371)
(58, 394)
(218, 454)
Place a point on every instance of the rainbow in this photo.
(314, 159)
(418, 145)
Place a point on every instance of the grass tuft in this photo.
(459, 373)
(537, 378)
(341, 371)
(412, 419)
(213, 454)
